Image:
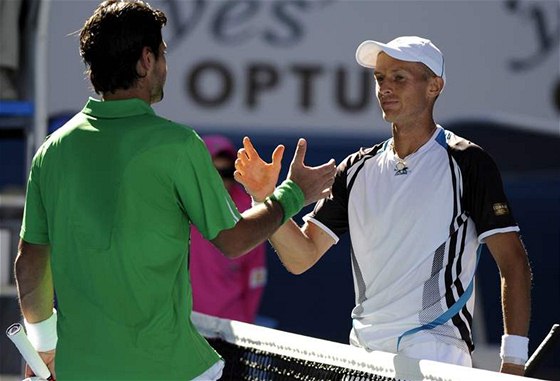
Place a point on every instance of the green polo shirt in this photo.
(113, 192)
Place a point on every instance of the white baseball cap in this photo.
(405, 48)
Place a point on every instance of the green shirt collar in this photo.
(117, 109)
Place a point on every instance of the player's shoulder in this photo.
(459, 143)
(172, 127)
(465, 150)
(167, 129)
(363, 154)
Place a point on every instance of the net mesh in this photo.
(255, 353)
(258, 365)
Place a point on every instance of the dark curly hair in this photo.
(112, 39)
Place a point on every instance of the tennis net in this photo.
(255, 353)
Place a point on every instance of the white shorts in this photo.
(213, 373)
(438, 351)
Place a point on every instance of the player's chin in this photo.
(388, 117)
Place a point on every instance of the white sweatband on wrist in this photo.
(42, 335)
(514, 349)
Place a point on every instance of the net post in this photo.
(546, 345)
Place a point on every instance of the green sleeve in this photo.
(201, 191)
(34, 228)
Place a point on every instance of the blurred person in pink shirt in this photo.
(224, 287)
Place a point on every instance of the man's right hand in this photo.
(315, 182)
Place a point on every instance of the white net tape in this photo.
(346, 356)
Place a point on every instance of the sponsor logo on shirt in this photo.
(500, 209)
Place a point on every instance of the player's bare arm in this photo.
(300, 248)
(255, 226)
(34, 281)
(515, 273)
(35, 290)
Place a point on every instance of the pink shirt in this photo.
(224, 287)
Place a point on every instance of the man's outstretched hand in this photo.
(260, 178)
(315, 182)
(257, 176)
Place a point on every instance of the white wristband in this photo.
(42, 335)
(514, 349)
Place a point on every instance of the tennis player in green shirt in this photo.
(110, 199)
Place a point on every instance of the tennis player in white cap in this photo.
(417, 207)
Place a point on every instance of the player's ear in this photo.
(145, 62)
(435, 86)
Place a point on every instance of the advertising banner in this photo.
(283, 65)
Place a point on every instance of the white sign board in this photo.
(285, 65)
